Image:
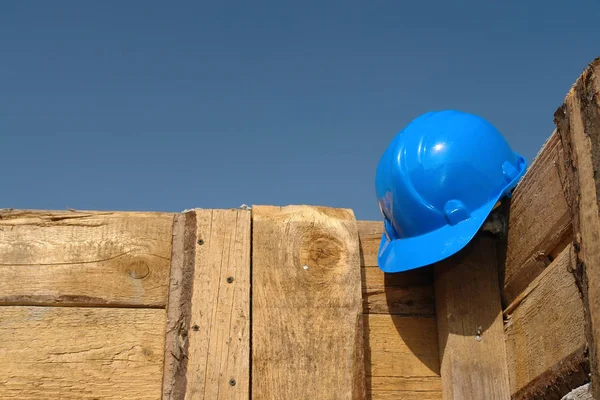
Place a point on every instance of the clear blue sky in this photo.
(153, 105)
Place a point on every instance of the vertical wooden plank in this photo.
(470, 327)
(578, 124)
(179, 306)
(212, 314)
(306, 304)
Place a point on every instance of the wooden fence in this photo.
(288, 302)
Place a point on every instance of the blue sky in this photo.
(160, 106)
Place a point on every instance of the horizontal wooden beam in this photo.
(407, 293)
(401, 357)
(539, 224)
(70, 258)
(401, 347)
(72, 352)
(545, 334)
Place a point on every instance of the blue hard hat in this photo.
(437, 183)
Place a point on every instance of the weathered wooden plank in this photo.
(578, 124)
(370, 237)
(404, 395)
(84, 258)
(179, 308)
(544, 330)
(81, 353)
(539, 221)
(407, 384)
(307, 338)
(218, 351)
(401, 357)
(369, 228)
(470, 328)
(407, 293)
(401, 348)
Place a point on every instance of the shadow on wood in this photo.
(419, 312)
(401, 349)
(470, 326)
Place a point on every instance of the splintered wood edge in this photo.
(578, 123)
(179, 306)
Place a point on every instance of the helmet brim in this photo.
(410, 253)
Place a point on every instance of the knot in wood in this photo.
(322, 251)
(139, 270)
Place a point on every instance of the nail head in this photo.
(200, 242)
(229, 279)
(232, 382)
(195, 327)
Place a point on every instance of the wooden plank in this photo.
(81, 353)
(84, 258)
(179, 307)
(539, 224)
(307, 338)
(406, 293)
(401, 357)
(218, 338)
(401, 348)
(545, 334)
(470, 328)
(578, 124)
(370, 237)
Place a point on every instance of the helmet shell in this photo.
(437, 182)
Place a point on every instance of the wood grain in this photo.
(402, 359)
(179, 307)
(81, 353)
(543, 330)
(218, 355)
(578, 124)
(406, 293)
(470, 328)
(401, 347)
(84, 258)
(307, 339)
(370, 235)
(539, 224)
